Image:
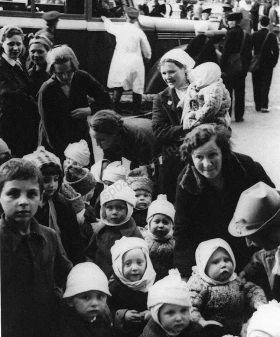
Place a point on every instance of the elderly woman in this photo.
(39, 46)
(63, 101)
(18, 110)
(130, 138)
(167, 127)
(208, 191)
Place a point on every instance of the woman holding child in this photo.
(207, 193)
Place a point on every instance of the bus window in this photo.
(109, 8)
(14, 5)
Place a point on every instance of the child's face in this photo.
(174, 318)
(143, 199)
(116, 211)
(134, 264)
(50, 185)
(89, 304)
(219, 267)
(68, 161)
(160, 225)
(20, 200)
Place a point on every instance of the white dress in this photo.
(127, 67)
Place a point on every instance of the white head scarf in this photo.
(203, 253)
(205, 74)
(179, 55)
(119, 249)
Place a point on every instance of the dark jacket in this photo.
(203, 214)
(169, 134)
(202, 49)
(232, 45)
(66, 219)
(152, 329)
(266, 7)
(72, 325)
(58, 128)
(270, 52)
(254, 15)
(38, 77)
(136, 143)
(18, 110)
(123, 299)
(31, 266)
(103, 239)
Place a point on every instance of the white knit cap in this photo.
(78, 152)
(124, 245)
(161, 206)
(114, 172)
(4, 147)
(203, 253)
(96, 170)
(179, 55)
(86, 276)
(266, 319)
(205, 74)
(118, 191)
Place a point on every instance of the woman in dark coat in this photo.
(19, 118)
(166, 120)
(63, 101)
(208, 190)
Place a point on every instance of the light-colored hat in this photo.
(266, 320)
(161, 206)
(114, 171)
(171, 290)
(258, 206)
(41, 157)
(74, 197)
(80, 179)
(206, 74)
(180, 56)
(97, 169)
(137, 179)
(4, 147)
(78, 152)
(118, 191)
(85, 277)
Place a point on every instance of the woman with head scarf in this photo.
(166, 121)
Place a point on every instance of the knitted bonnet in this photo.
(161, 206)
(41, 157)
(114, 171)
(81, 179)
(78, 152)
(138, 179)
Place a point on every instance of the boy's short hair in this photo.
(20, 169)
(264, 21)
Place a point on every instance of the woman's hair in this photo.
(20, 169)
(177, 63)
(59, 55)
(9, 31)
(201, 135)
(40, 39)
(106, 121)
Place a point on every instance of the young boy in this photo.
(55, 211)
(257, 218)
(32, 260)
(85, 311)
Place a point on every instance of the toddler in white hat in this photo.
(117, 202)
(77, 154)
(159, 235)
(133, 276)
(220, 300)
(169, 303)
(86, 312)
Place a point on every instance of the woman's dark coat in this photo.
(169, 133)
(18, 110)
(202, 49)
(203, 214)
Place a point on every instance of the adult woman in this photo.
(131, 138)
(208, 191)
(63, 101)
(168, 130)
(18, 111)
(38, 50)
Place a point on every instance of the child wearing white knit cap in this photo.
(159, 235)
(220, 300)
(265, 322)
(133, 276)
(117, 202)
(77, 154)
(169, 303)
(85, 312)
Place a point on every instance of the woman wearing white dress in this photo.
(127, 71)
